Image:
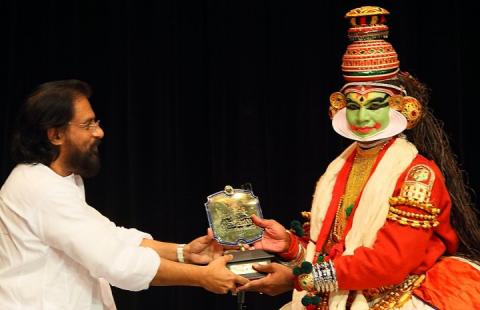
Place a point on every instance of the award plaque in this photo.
(229, 215)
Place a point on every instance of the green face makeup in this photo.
(368, 113)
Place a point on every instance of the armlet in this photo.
(415, 194)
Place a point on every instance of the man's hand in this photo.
(275, 237)
(279, 279)
(202, 250)
(219, 279)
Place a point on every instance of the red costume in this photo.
(406, 256)
(399, 250)
(380, 223)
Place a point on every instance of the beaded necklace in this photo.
(362, 165)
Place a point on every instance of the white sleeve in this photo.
(64, 221)
(132, 236)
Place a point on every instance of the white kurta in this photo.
(57, 252)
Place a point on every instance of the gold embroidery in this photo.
(426, 206)
(415, 193)
(418, 183)
(401, 294)
(412, 222)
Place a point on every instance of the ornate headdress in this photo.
(371, 62)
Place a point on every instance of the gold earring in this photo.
(337, 102)
(410, 107)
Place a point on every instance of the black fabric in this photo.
(195, 95)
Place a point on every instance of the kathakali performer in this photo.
(392, 225)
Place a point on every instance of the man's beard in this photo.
(84, 163)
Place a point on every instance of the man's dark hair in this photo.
(49, 106)
(433, 142)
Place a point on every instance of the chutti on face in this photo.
(367, 112)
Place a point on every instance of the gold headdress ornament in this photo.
(371, 62)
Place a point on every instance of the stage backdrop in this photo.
(195, 95)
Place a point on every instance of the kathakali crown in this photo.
(372, 62)
(369, 57)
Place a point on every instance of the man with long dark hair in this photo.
(392, 225)
(56, 251)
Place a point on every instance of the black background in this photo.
(195, 95)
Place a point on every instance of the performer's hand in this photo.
(219, 279)
(275, 237)
(279, 279)
(203, 250)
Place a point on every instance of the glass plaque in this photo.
(229, 215)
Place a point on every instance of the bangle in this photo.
(293, 248)
(180, 257)
(299, 258)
